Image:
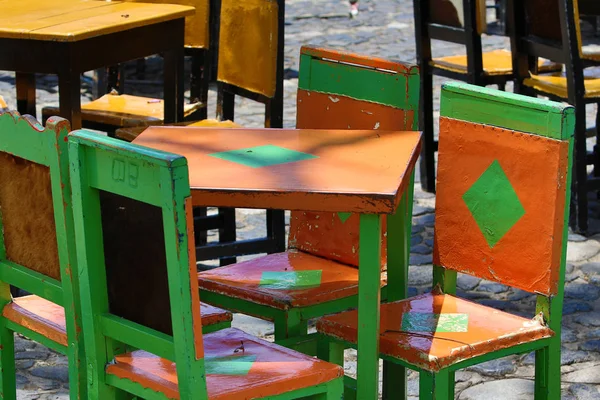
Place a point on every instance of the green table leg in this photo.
(369, 293)
(399, 226)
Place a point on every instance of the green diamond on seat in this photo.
(290, 280)
(494, 203)
(263, 156)
(430, 322)
(229, 365)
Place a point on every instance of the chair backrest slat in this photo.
(132, 208)
(502, 199)
(340, 90)
(35, 203)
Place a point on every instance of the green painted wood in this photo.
(507, 110)
(107, 335)
(359, 83)
(14, 327)
(27, 139)
(368, 306)
(31, 281)
(137, 336)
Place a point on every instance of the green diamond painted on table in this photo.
(263, 156)
(429, 322)
(494, 204)
(231, 365)
(290, 280)
(344, 216)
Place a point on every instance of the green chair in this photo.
(117, 184)
(336, 90)
(37, 252)
(502, 215)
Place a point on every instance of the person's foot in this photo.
(353, 10)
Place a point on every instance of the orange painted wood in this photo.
(80, 19)
(530, 163)
(489, 330)
(39, 315)
(359, 59)
(275, 370)
(48, 319)
(242, 280)
(356, 171)
(324, 234)
(129, 134)
(331, 111)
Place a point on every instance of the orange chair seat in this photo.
(410, 331)
(48, 319)
(245, 281)
(269, 369)
(124, 110)
(496, 62)
(556, 84)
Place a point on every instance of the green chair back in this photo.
(121, 190)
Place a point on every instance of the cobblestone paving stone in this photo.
(383, 28)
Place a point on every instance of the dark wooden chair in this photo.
(550, 29)
(136, 189)
(459, 22)
(500, 154)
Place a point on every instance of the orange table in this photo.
(365, 172)
(69, 37)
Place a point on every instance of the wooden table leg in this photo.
(69, 90)
(26, 93)
(369, 295)
(399, 226)
(173, 81)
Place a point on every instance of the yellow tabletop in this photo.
(73, 20)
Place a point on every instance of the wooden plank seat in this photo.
(130, 134)
(495, 62)
(48, 319)
(262, 369)
(436, 330)
(284, 280)
(557, 84)
(124, 110)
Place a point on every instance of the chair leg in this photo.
(581, 167)
(227, 232)
(394, 381)
(427, 162)
(330, 350)
(8, 385)
(290, 325)
(502, 86)
(435, 386)
(547, 372)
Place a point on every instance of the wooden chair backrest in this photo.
(196, 26)
(503, 187)
(37, 242)
(452, 13)
(251, 45)
(340, 90)
(133, 204)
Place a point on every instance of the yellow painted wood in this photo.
(196, 26)
(556, 84)
(248, 45)
(81, 19)
(496, 62)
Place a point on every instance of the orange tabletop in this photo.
(74, 20)
(294, 169)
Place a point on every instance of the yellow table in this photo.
(69, 37)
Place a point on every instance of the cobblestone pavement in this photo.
(384, 28)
